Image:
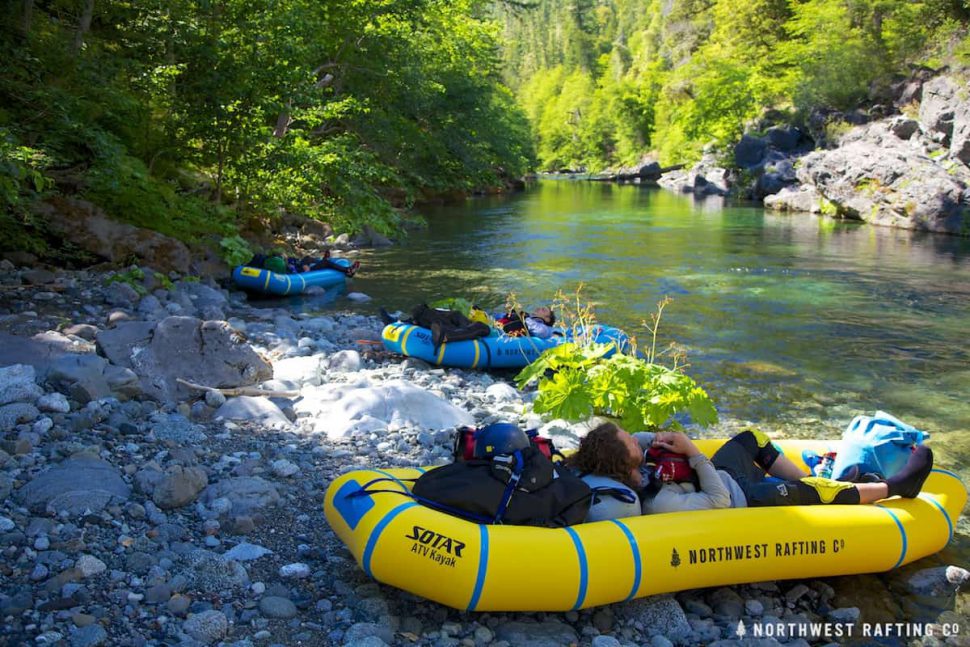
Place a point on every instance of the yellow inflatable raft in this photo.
(515, 568)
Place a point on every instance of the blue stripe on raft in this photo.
(636, 559)
(421, 469)
(902, 532)
(583, 568)
(946, 516)
(947, 472)
(376, 534)
(482, 567)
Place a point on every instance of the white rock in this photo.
(6, 524)
(54, 403)
(359, 297)
(296, 570)
(299, 370)
(90, 565)
(247, 407)
(502, 392)
(284, 468)
(247, 552)
(338, 411)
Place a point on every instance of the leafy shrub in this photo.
(577, 380)
(235, 250)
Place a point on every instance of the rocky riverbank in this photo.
(138, 510)
(905, 166)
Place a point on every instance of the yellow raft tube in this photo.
(476, 567)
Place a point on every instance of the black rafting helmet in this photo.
(499, 438)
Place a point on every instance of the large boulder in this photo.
(89, 228)
(936, 110)
(18, 383)
(876, 177)
(340, 410)
(802, 198)
(209, 353)
(750, 151)
(78, 484)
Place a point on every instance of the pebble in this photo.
(297, 570)
(273, 606)
(6, 524)
(89, 565)
(207, 626)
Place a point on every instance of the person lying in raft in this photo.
(733, 478)
(310, 264)
(539, 323)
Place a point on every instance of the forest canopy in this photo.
(190, 116)
(604, 81)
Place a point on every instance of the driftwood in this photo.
(243, 390)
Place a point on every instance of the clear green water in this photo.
(786, 320)
(792, 322)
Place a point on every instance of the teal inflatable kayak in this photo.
(498, 350)
(254, 279)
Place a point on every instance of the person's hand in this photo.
(675, 441)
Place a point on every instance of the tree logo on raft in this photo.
(742, 552)
(441, 549)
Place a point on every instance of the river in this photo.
(792, 322)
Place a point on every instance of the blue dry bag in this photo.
(880, 444)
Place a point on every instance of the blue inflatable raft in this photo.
(255, 279)
(495, 351)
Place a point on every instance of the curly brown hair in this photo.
(602, 453)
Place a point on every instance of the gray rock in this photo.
(16, 413)
(210, 572)
(659, 614)
(245, 407)
(121, 294)
(345, 361)
(53, 403)
(876, 177)
(247, 494)
(37, 276)
(295, 570)
(214, 399)
(179, 486)
(206, 627)
(81, 376)
(90, 636)
(940, 581)
(71, 483)
(784, 138)
(750, 151)
(84, 331)
(273, 606)
(89, 565)
(284, 468)
(903, 127)
(357, 633)
(89, 228)
(18, 383)
(936, 109)
(207, 353)
(536, 634)
(176, 428)
(123, 382)
(845, 615)
(801, 198)
(960, 138)
(246, 552)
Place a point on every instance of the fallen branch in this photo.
(243, 390)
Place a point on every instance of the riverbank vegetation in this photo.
(195, 118)
(604, 81)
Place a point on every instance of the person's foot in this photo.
(353, 268)
(908, 482)
(385, 316)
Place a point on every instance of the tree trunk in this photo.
(84, 25)
(283, 121)
(28, 15)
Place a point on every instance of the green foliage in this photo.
(189, 118)
(643, 395)
(673, 76)
(235, 250)
(133, 276)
